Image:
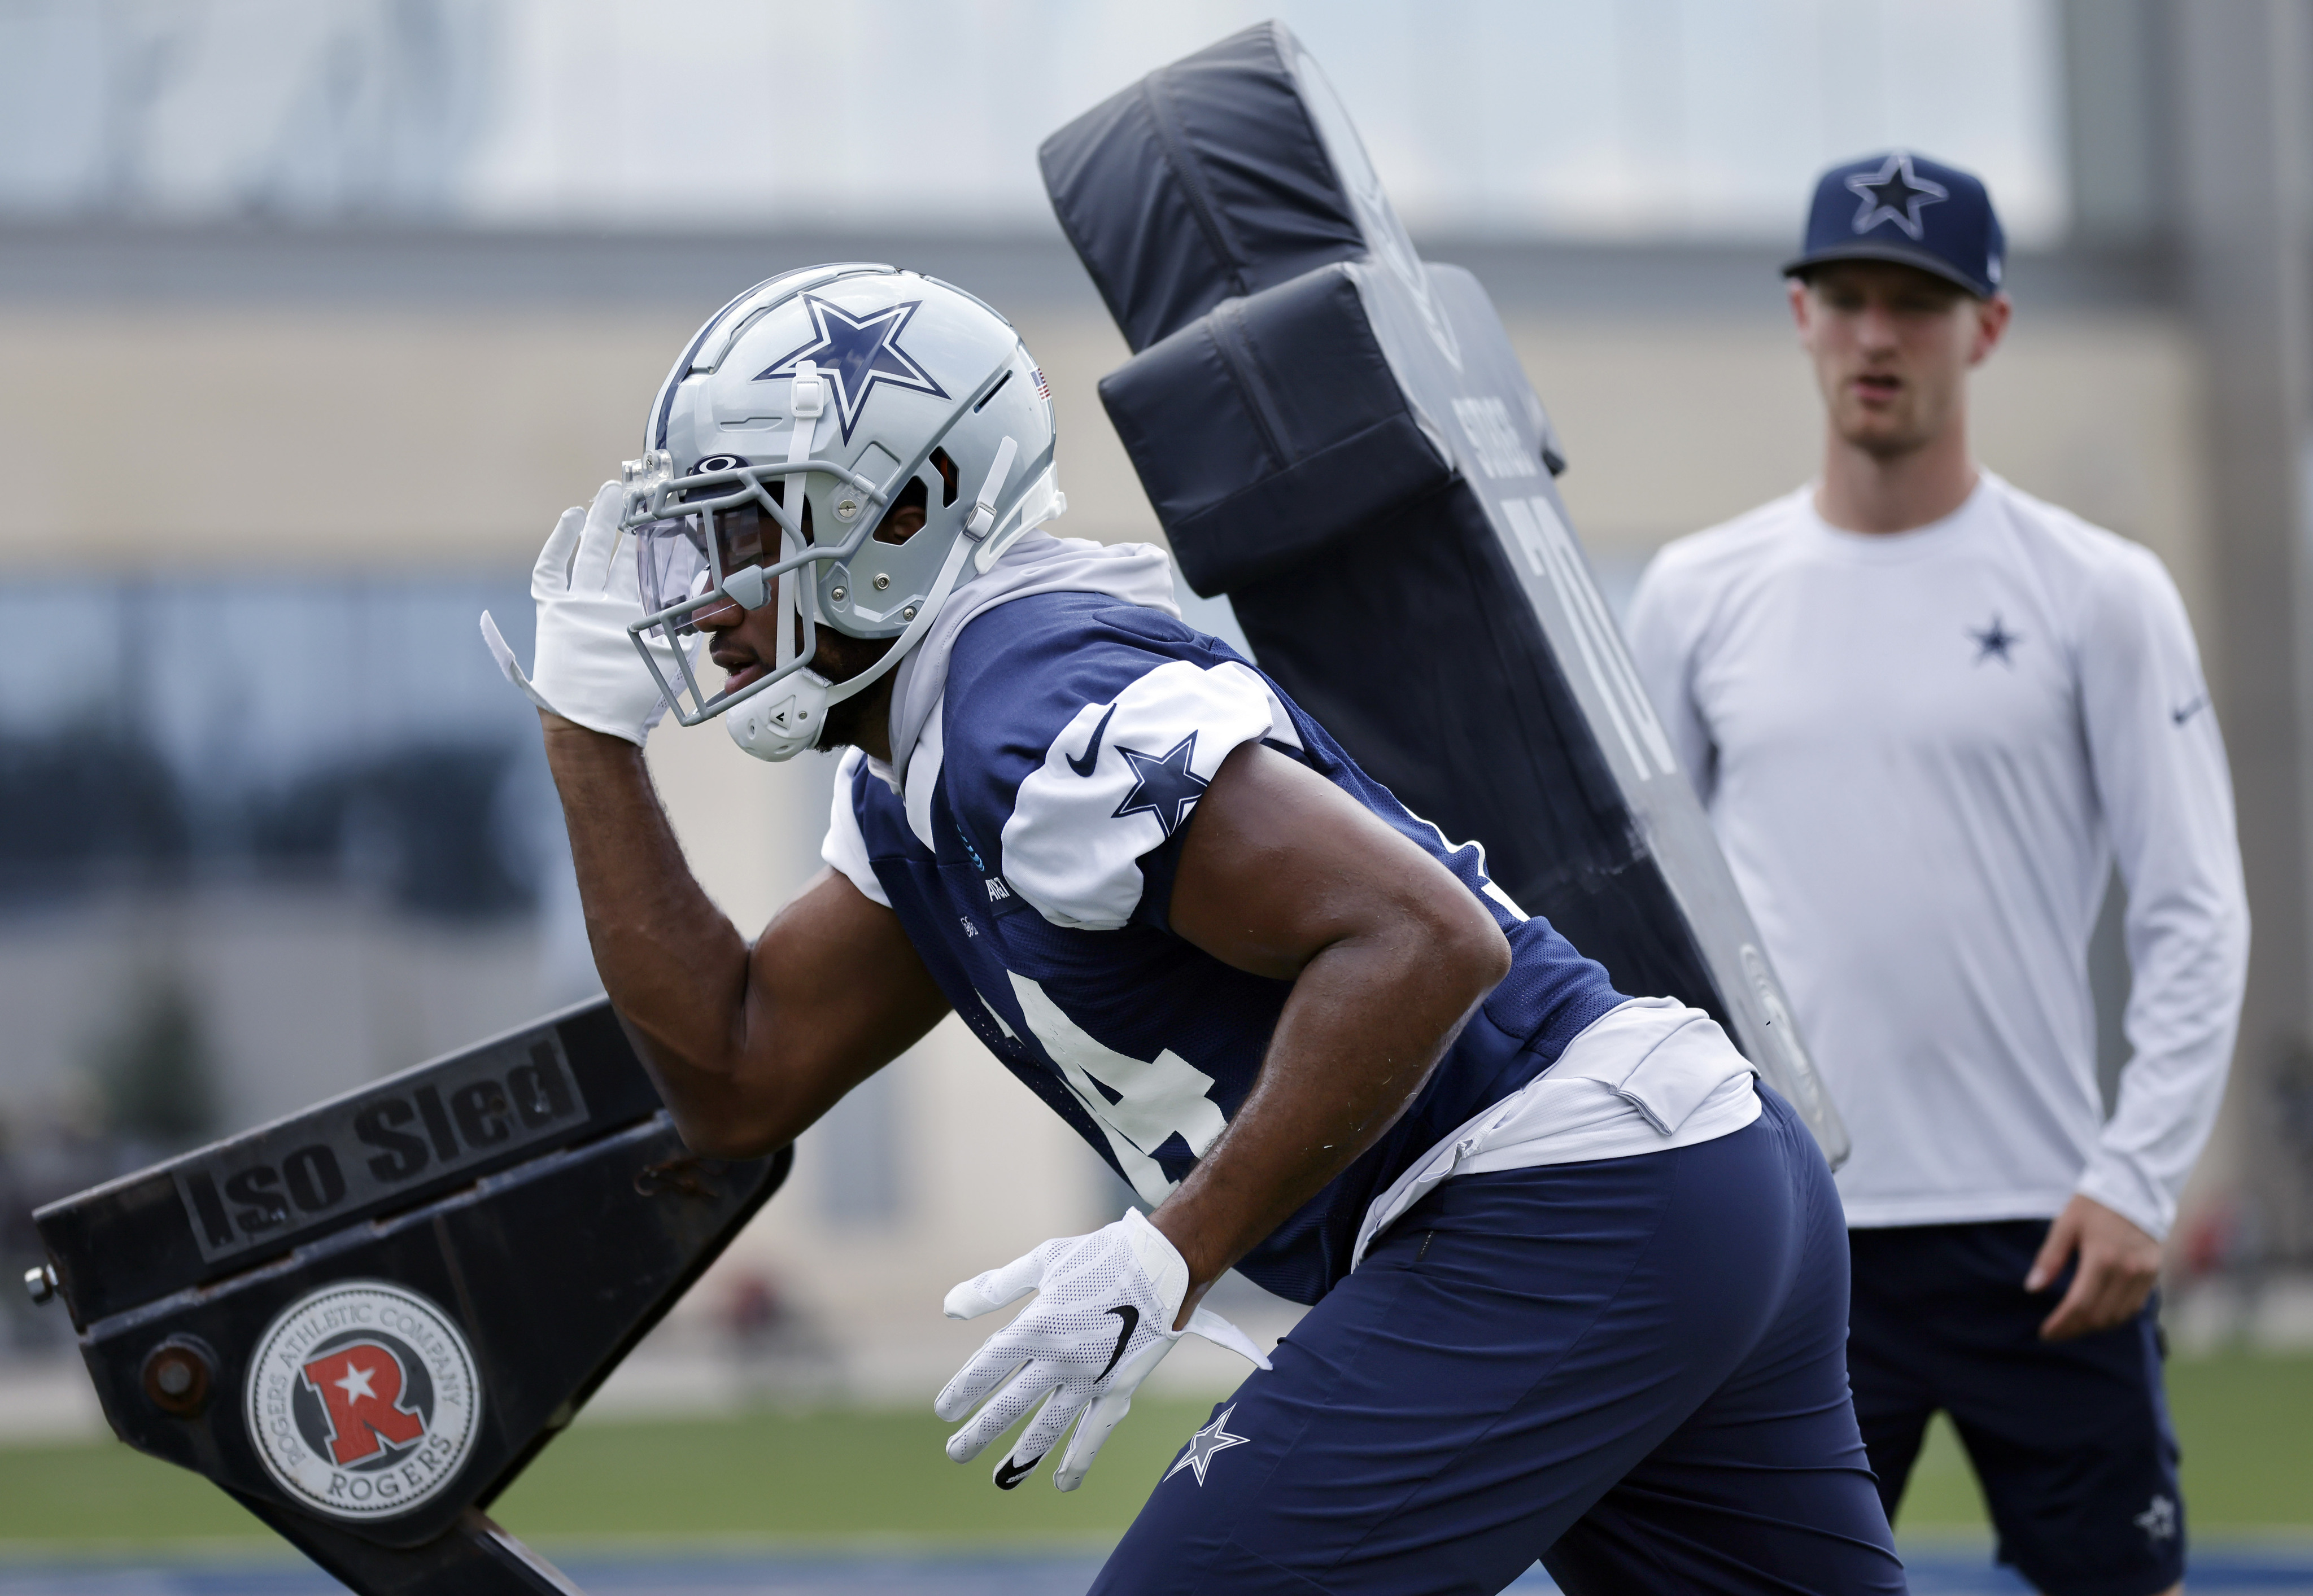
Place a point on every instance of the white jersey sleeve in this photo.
(2160, 775)
(844, 847)
(1122, 777)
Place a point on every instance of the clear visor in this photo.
(675, 563)
(671, 565)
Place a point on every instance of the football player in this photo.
(1579, 1280)
(1926, 710)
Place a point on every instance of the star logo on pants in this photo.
(2159, 1521)
(1214, 1437)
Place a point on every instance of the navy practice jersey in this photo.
(1031, 861)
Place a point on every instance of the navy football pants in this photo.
(1634, 1370)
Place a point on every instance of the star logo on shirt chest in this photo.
(1993, 642)
(1164, 786)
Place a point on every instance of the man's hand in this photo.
(1103, 1318)
(2119, 1264)
(586, 669)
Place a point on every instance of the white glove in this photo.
(587, 670)
(1103, 1318)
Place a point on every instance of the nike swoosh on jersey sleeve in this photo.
(1091, 760)
(1081, 820)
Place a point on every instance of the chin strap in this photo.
(982, 519)
(976, 527)
(950, 569)
(1040, 502)
(807, 398)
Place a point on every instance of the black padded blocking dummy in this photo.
(1338, 436)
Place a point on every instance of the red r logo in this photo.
(361, 1387)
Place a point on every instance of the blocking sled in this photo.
(364, 1320)
(1337, 436)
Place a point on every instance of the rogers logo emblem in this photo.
(362, 1400)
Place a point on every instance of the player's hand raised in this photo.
(586, 667)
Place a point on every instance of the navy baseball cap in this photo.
(1910, 210)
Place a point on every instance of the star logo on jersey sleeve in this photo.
(1894, 193)
(1163, 787)
(1213, 1438)
(856, 354)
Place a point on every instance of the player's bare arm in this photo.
(749, 1045)
(1286, 876)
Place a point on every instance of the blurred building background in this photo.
(314, 314)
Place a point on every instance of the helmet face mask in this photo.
(926, 397)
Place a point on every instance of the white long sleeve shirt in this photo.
(1922, 752)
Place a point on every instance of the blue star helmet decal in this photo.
(1894, 193)
(1164, 788)
(856, 354)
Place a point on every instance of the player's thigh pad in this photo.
(1515, 1345)
(2070, 1439)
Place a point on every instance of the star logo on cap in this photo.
(1894, 193)
(856, 353)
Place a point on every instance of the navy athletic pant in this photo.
(2070, 1439)
(1634, 1370)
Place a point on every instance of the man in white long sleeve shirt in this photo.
(1927, 714)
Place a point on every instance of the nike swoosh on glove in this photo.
(587, 669)
(1102, 1319)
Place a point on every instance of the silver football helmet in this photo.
(803, 412)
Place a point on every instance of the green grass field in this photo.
(2246, 1425)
